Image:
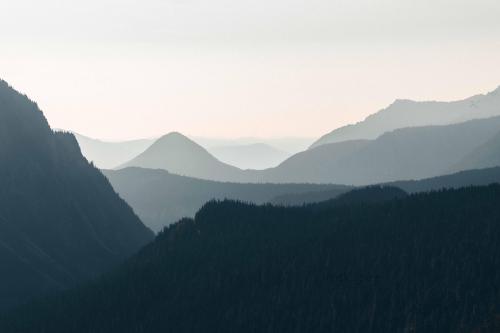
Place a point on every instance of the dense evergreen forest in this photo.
(426, 262)
(61, 222)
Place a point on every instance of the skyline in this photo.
(218, 140)
(117, 70)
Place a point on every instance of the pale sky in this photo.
(117, 69)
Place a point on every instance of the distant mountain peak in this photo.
(175, 135)
(180, 155)
(408, 113)
(177, 138)
(175, 143)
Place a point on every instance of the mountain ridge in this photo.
(404, 153)
(416, 261)
(474, 177)
(408, 113)
(161, 198)
(178, 154)
(254, 156)
(61, 221)
(108, 154)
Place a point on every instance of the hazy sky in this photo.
(118, 69)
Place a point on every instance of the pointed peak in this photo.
(174, 135)
(176, 139)
(177, 136)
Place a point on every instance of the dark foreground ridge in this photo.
(422, 263)
(61, 222)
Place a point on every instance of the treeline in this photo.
(420, 263)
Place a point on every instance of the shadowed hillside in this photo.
(61, 222)
(423, 263)
(485, 156)
(456, 180)
(408, 153)
(161, 198)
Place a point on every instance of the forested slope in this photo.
(422, 263)
(61, 222)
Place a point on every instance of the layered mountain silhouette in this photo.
(61, 222)
(178, 154)
(408, 153)
(420, 263)
(407, 113)
(466, 178)
(161, 198)
(460, 179)
(107, 155)
(253, 156)
(291, 145)
(487, 155)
